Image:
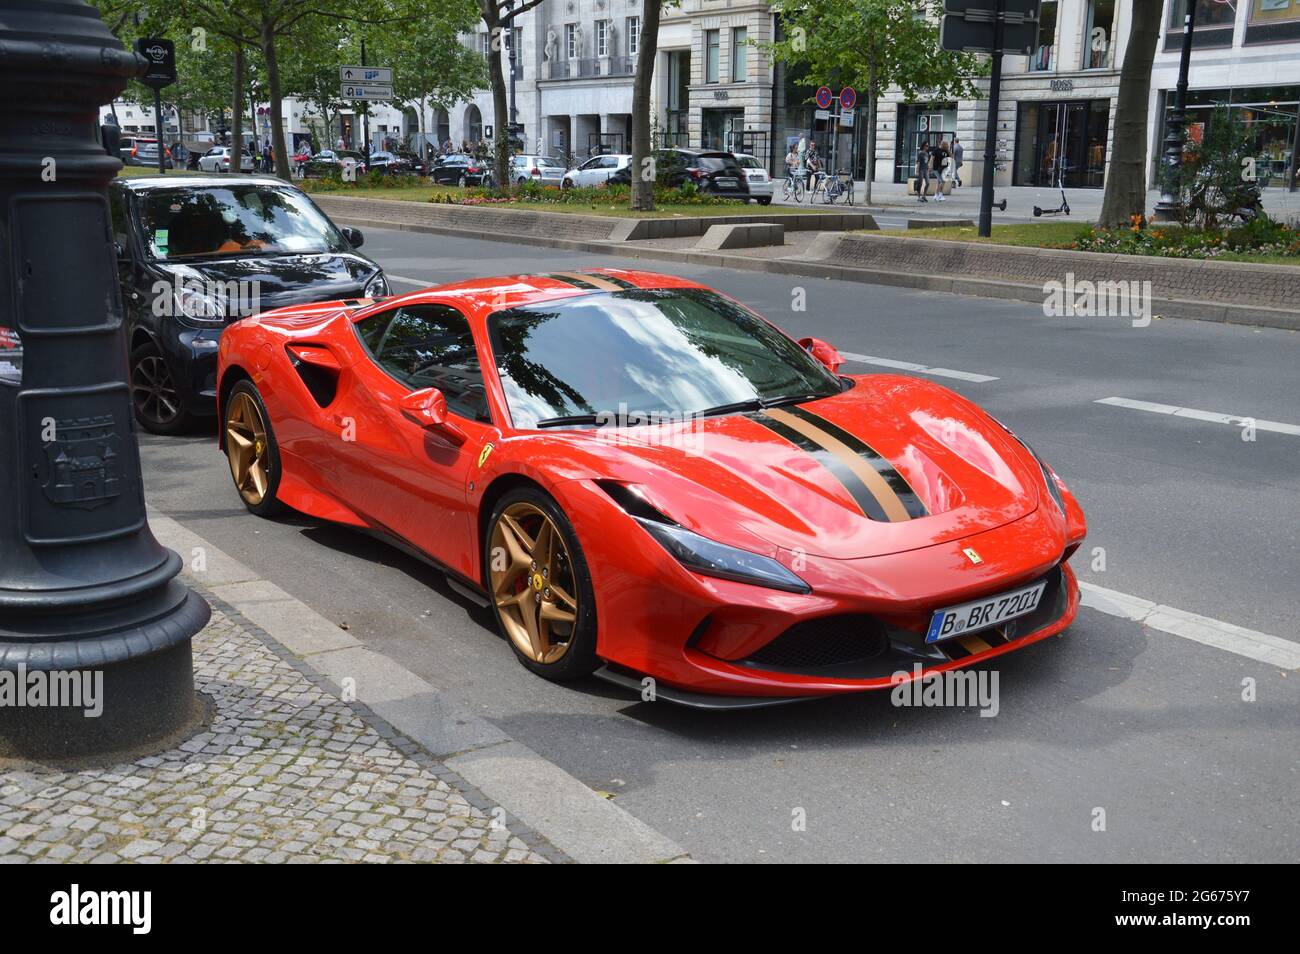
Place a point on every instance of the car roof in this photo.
(148, 183)
(486, 295)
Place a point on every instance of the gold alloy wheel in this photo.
(533, 582)
(247, 448)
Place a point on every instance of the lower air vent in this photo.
(819, 643)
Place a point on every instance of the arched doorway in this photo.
(473, 124)
(441, 125)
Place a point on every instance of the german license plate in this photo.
(983, 614)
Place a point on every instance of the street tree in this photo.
(1125, 195)
(873, 45)
(432, 69)
(643, 171)
(499, 16)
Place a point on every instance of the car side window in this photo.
(117, 209)
(430, 346)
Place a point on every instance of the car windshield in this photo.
(670, 353)
(191, 222)
(749, 162)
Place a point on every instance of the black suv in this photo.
(715, 172)
(196, 252)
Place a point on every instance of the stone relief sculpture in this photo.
(550, 44)
(577, 41)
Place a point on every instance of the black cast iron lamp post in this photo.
(86, 592)
(1170, 207)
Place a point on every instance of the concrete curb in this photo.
(554, 804)
(810, 265)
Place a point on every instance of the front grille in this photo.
(817, 644)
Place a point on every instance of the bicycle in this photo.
(793, 188)
(838, 186)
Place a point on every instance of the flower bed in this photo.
(1261, 236)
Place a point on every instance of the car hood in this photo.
(283, 279)
(782, 478)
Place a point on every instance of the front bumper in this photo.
(710, 637)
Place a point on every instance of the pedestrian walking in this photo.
(936, 169)
(957, 153)
(813, 163)
(922, 170)
(945, 170)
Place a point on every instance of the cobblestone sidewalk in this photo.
(286, 772)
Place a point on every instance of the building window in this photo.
(602, 38)
(739, 54)
(571, 39)
(1208, 14)
(712, 50)
(633, 35)
(1267, 11)
(1273, 21)
(1044, 56)
(484, 44)
(1098, 37)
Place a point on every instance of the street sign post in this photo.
(996, 27)
(848, 98)
(366, 75)
(824, 97)
(160, 70)
(367, 92)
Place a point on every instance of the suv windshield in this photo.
(190, 222)
(663, 353)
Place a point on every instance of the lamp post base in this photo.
(119, 691)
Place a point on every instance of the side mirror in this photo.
(354, 236)
(823, 352)
(428, 408)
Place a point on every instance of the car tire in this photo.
(766, 200)
(154, 396)
(530, 507)
(520, 181)
(464, 182)
(245, 418)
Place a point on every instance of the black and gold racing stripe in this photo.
(867, 502)
(896, 481)
(959, 647)
(622, 283)
(585, 281)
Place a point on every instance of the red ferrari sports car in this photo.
(644, 478)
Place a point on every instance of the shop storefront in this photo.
(921, 123)
(1268, 114)
(1061, 144)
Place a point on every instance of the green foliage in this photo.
(872, 45)
(1211, 182)
(609, 195)
(1260, 236)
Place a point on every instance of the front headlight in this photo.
(199, 309)
(710, 558)
(377, 287)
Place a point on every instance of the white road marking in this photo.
(409, 281)
(1271, 650)
(1213, 417)
(918, 368)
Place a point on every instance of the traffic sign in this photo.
(848, 98)
(1024, 9)
(980, 36)
(825, 97)
(160, 55)
(370, 92)
(366, 75)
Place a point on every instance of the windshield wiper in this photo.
(758, 404)
(568, 420)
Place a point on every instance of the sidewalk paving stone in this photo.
(285, 771)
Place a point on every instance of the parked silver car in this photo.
(543, 170)
(220, 158)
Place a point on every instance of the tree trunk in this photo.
(1126, 180)
(277, 105)
(237, 110)
(500, 109)
(643, 185)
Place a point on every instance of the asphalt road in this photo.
(1148, 726)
